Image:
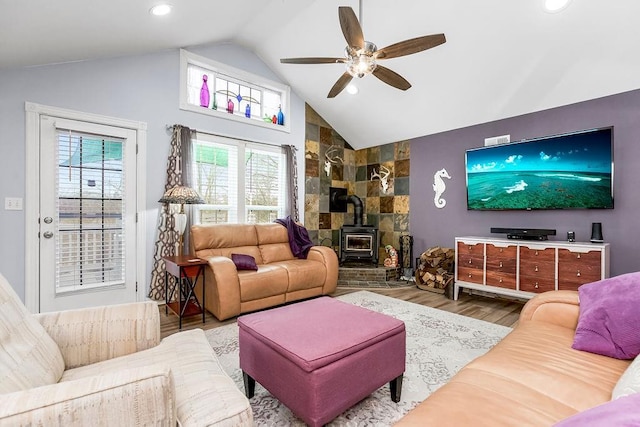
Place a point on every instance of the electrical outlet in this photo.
(13, 203)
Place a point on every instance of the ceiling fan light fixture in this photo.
(361, 62)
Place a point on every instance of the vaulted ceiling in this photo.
(502, 57)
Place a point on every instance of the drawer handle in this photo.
(470, 276)
(500, 280)
(536, 269)
(578, 274)
(501, 250)
(536, 253)
(578, 256)
(500, 264)
(536, 285)
(469, 261)
(470, 247)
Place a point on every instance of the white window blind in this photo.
(240, 182)
(90, 207)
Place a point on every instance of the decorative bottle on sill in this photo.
(230, 106)
(204, 92)
(280, 116)
(247, 111)
(214, 104)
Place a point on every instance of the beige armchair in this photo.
(107, 366)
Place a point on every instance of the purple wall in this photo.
(431, 226)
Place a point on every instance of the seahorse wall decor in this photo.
(439, 187)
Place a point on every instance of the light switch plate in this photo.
(13, 203)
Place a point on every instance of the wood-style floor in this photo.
(496, 310)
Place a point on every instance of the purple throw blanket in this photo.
(299, 240)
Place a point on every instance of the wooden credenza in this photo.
(523, 268)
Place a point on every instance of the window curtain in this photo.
(292, 182)
(178, 173)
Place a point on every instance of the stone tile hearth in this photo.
(369, 276)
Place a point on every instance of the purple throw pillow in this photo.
(244, 262)
(620, 412)
(609, 317)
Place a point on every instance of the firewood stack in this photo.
(435, 271)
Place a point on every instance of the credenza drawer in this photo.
(578, 268)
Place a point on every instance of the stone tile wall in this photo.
(389, 210)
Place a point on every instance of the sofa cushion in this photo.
(273, 241)
(244, 262)
(622, 412)
(609, 317)
(268, 281)
(205, 394)
(28, 355)
(629, 382)
(303, 274)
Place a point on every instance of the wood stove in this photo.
(358, 242)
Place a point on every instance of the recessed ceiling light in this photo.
(160, 9)
(555, 5)
(352, 89)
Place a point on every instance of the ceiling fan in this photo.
(361, 56)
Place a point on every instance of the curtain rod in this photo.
(170, 128)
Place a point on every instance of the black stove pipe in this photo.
(357, 208)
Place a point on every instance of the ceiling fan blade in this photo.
(342, 82)
(410, 46)
(312, 60)
(391, 78)
(351, 27)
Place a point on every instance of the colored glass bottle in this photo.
(247, 111)
(274, 119)
(280, 116)
(214, 104)
(230, 106)
(204, 92)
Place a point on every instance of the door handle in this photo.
(48, 234)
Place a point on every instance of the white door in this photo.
(87, 221)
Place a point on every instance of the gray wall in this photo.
(438, 227)
(143, 88)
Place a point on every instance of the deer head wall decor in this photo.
(384, 178)
(331, 159)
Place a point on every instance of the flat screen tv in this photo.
(568, 171)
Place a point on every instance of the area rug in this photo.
(439, 343)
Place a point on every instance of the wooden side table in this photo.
(186, 270)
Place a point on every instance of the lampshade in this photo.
(181, 195)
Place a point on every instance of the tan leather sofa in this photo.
(280, 278)
(531, 378)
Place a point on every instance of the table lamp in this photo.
(181, 195)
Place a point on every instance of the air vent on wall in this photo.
(495, 140)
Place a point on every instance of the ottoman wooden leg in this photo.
(250, 385)
(396, 388)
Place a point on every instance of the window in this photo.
(241, 182)
(209, 87)
(90, 249)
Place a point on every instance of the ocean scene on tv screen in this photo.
(561, 172)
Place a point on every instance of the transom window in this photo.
(241, 182)
(209, 87)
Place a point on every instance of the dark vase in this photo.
(204, 92)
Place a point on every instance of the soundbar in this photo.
(525, 233)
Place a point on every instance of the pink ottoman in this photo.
(322, 356)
